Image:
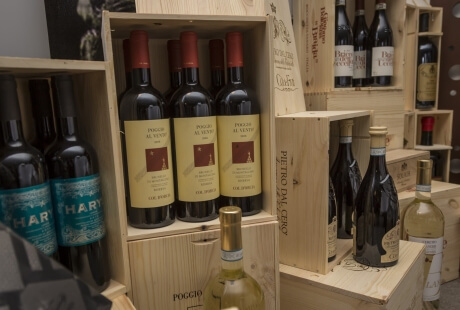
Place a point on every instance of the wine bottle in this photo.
(232, 288)
(423, 222)
(195, 141)
(175, 68)
(147, 154)
(25, 197)
(343, 54)
(216, 57)
(427, 130)
(376, 214)
(346, 179)
(45, 132)
(381, 47)
(127, 63)
(360, 45)
(238, 135)
(332, 224)
(76, 193)
(427, 67)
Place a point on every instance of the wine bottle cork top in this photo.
(234, 42)
(230, 228)
(378, 137)
(424, 171)
(427, 123)
(189, 51)
(424, 163)
(174, 56)
(216, 54)
(378, 130)
(229, 215)
(346, 127)
(139, 49)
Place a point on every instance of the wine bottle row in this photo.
(50, 194)
(190, 150)
(363, 56)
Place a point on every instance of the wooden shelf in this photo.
(434, 147)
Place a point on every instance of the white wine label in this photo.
(332, 238)
(433, 264)
(382, 61)
(345, 140)
(378, 151)
(231, 256)
(196, 158)
(149, 158)
(390, 243)
(423, 188)
(427, 77)
(359, 65)
(343, 62)
(239, 155)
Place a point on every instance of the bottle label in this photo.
(423, 188)
(343, 62)
(239, 155)
(382, 61)
(339, 2)
(29, 212)
(231, 256)
(359, 13)
(345, 140)
(359, 65)
(378, 151)
(433, 262)
(426, 81)
(332, 238)
(196, 158)
(149, 158)
(381, 6)
(390, 243)
(78, 207)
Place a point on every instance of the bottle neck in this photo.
(128, 80)
(377, 161)
(175, 79)
(68, 128)
(232, 270)
(345, 147)
(423, 192)
(45, 128)
(427, 138)
(12, 133)
(141, 76)
(217, 78)
(235, 75)
(191, 76)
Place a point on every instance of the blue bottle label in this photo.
(28, 211)
(78, 209)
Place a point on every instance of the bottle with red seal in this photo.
(216, 60)
(427, 130)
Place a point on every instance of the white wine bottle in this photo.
(232, 288)
(423, 222)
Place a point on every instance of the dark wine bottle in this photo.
(360, 45)
(25, 197)
(127, 63)
(175, 68)
(376, 214)
(381, 47)
(195, 141)
(427, 68)
(45, 132)
(332, 225)
(216, 59)
(427, 130)
(343, 54)
(76, 193)
(238, 131)
(346, 178)
(147, 153)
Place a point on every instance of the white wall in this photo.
(23, 31)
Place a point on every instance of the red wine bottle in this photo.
(346, 178)
(216, 57)
(127, 63)
(195, 141)
(147, 153)
(376, 214)
(45, 132)
(25, 197)
(76, 193)
(427, 68)
(343, 60)
(360, 45)
(332, 224)
(238, 135)
(427, 130)
(381, 47)
(175, 68)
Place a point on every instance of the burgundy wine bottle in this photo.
(216, 59)
(427, 130)
(127, 63)
(360, 38)
(343, 60)
(175, 68)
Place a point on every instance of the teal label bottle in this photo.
(78, 209)
(28, 211)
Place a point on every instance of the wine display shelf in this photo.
(307, 143)
(447, 197)
(92, 82)
(355, 286)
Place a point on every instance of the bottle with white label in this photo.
(360, 38)
(424, 222)
(376, 212)
(343, 52)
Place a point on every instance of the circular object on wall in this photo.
(456, 10)
(453, 92)
(455, 165)
(454, 72)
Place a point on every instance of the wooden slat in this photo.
(122, 303)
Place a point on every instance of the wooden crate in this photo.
(172, 272)
(306, 143)
(97, 125)
(355, 286)
(402, 166)
(447, 197)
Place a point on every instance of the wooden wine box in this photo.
(95, 107)
(402, 166)
(306, 145)
(354, 286)
(171, 272)
(447, 197)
